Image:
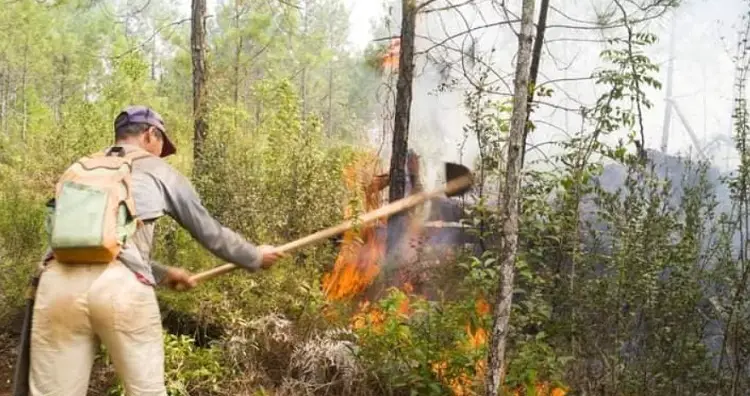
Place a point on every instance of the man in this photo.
(79, 305)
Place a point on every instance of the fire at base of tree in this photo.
(429, 243)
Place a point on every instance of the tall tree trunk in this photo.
(200, 107)
(6, 99)
(510, 202)
(237, 58)
(303, 75)
(330, 99)
(568, 263)
(399, 147)
(23, 90)
(3, 99)
(153, 55)
(257, 100)
(536, 57)
(64, 67)
(330, 79)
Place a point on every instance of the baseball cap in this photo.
(145, 115)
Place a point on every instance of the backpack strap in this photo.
(129, 202)
(123, 157)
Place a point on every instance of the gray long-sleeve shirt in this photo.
(158, 190)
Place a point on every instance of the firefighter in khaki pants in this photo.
(113, 301)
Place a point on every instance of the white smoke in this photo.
(703, 75)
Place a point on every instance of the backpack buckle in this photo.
(119, 150)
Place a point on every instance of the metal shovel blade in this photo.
(456, 171)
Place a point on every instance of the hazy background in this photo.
(705, 36)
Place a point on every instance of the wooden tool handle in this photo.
(384, 211)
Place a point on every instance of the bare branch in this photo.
(621, 24)
(556, 61)
(448, 7)
(479, 61)
(469, 31)
(635, 74)
(147, 40)
(537, 147)
(423, 5)
(505, 11)
(553, 126)
(576, 40)
(556, 106)
(128, 14)
(557, 10)
(385, 38)
(559, 80)
(287, 3)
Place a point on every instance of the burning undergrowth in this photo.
(415, 342)
(364, 262)
(404, 323)
(418, 325)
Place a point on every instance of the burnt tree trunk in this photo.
(565, 264)
(200, 106)
(510, 202)
(536, 57)
(399, 147)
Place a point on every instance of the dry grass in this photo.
(271, 353)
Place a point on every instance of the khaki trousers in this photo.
(79, 306)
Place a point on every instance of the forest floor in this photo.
(8, 345)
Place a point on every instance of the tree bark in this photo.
(536, 57)
(3, 101)
(6, 98)
(303, 75)
(511, 200)
(400, 146)
(63, 71)
(25, 102)
(237, 59)
(200, 106)
(330, 99)
(153, 54)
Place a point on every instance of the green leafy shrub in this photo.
(414, 346)
(21, 241)
(189, 370)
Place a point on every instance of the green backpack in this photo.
(93, 212)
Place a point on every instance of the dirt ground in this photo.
(7, 359)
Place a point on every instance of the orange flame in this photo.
(391, 57)
(351, 275)
(357, 263)
(476, 339)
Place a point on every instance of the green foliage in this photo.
(21, 241)
(414, 346)
(614, 291)
(189, 370)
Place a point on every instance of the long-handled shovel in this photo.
(459, 181)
